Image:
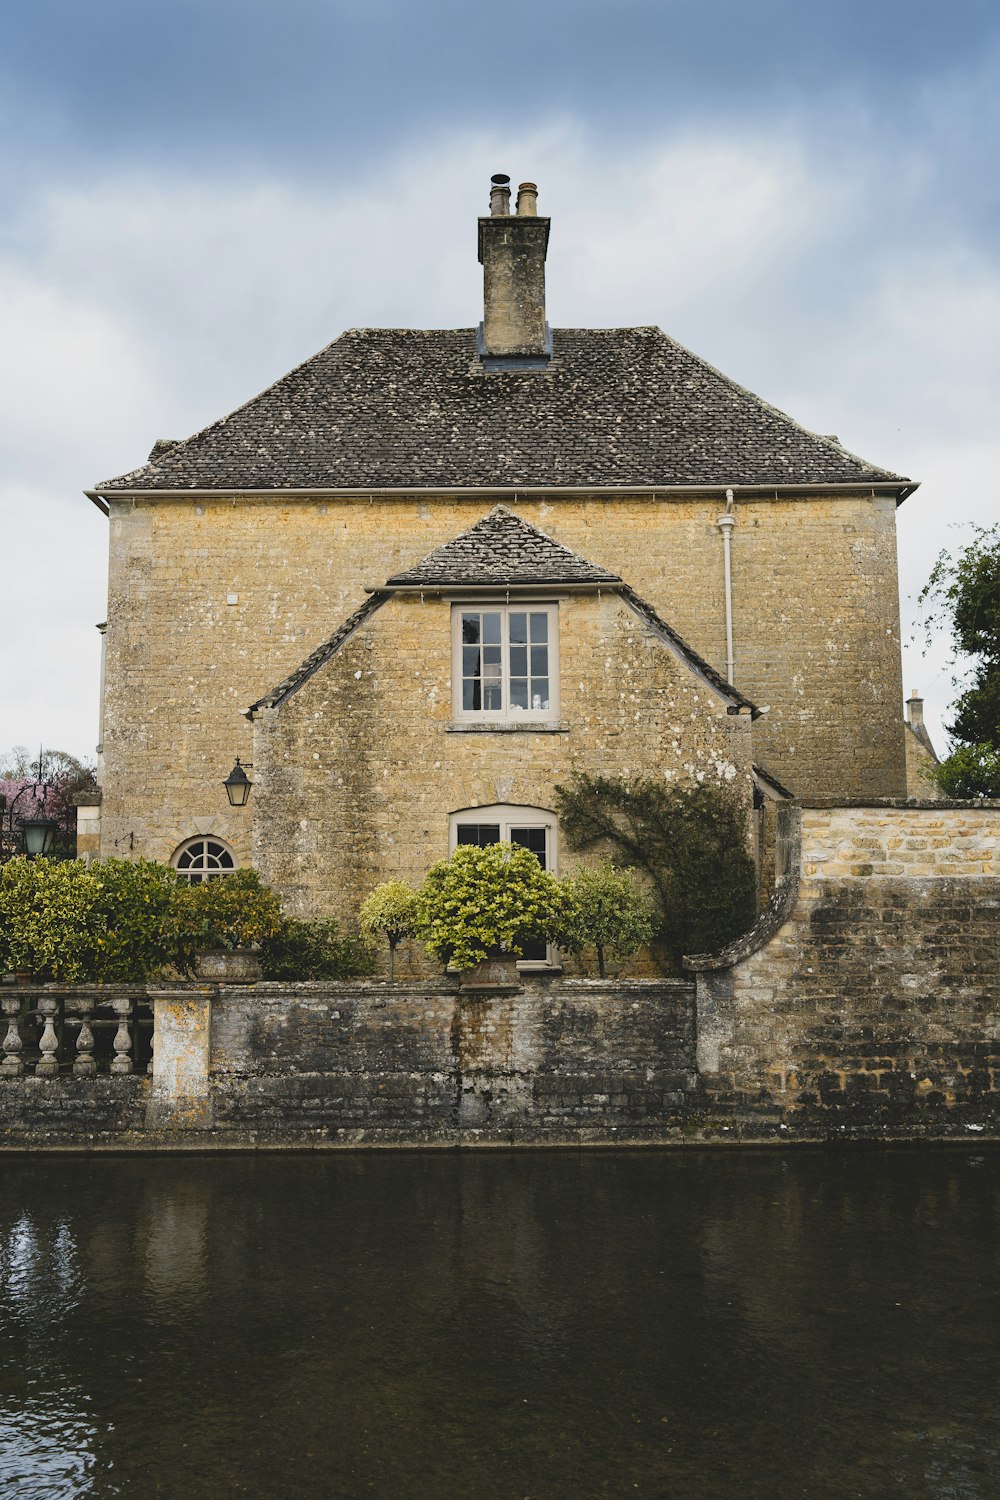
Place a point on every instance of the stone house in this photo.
(427, 574)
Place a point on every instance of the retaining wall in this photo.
(868, 999)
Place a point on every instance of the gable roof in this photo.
(502, 548)
(498, 536)
(387, 408)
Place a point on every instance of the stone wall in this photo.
(815, 623)
(553, 1061)
(560, 1060)
(869, 997)
(357, 773)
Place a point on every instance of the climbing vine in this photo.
(689, 841)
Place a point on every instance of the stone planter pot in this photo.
(498, 971)
(228, 965)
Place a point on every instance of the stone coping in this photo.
(446, 984)
(918, 804)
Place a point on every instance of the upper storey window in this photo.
(506, 662)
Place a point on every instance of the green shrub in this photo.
(111, 921)
(689, 840)
(230, 911)
(608, 912)
(390, 911)
(970, 771)
(481, 901)
(314, 950)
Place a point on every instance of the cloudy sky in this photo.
(197, 194)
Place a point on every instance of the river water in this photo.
(687, 1325)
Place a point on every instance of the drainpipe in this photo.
(725, 524)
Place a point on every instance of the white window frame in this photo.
(507, 716)
(507, 816)
(197, 874)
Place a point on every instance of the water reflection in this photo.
(542, 1325)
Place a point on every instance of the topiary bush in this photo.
(483, 901)
(390, 911)
(236, 910)
(314, 950)
(609, 913)
(110, 921)
(689, 840)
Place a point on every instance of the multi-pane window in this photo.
(506, 661)
(203, 859)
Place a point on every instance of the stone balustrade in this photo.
(81, 1031)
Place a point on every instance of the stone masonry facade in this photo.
(814, 606)
(358, 772)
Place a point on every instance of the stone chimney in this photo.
(914, 710)
(514, 333)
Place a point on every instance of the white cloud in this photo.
(143, 307)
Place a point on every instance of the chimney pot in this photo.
(527, 200)
(499, 195)
(915, 709)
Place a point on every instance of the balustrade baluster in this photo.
(85, 1065)
(122, 1060)
(13, 1064)
(47, 1065)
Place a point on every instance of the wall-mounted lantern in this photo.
(238, 784)
(38, 835)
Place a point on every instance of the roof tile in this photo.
(399, 408)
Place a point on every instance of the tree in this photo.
(609, 913)
(689, 840)
(21, 764)
(63, 775)
(390, 911)
(482, 901)
(963, 594)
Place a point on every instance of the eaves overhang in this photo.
(900, 490)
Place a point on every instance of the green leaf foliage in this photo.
(609, 913)
(111, 921)
(481, 901)
(230, 911)
(971, 771)
(390, 911)
(314, 950)
(688, 840)
(963, 595)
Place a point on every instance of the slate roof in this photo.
(502, 548)
(402, 408)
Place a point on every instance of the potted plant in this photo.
(478, 909)
(222, 923)
(390, 911)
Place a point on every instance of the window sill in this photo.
(507, 726)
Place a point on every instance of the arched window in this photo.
(202, 859)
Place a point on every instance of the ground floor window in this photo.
(202, 859)
(532, 827)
